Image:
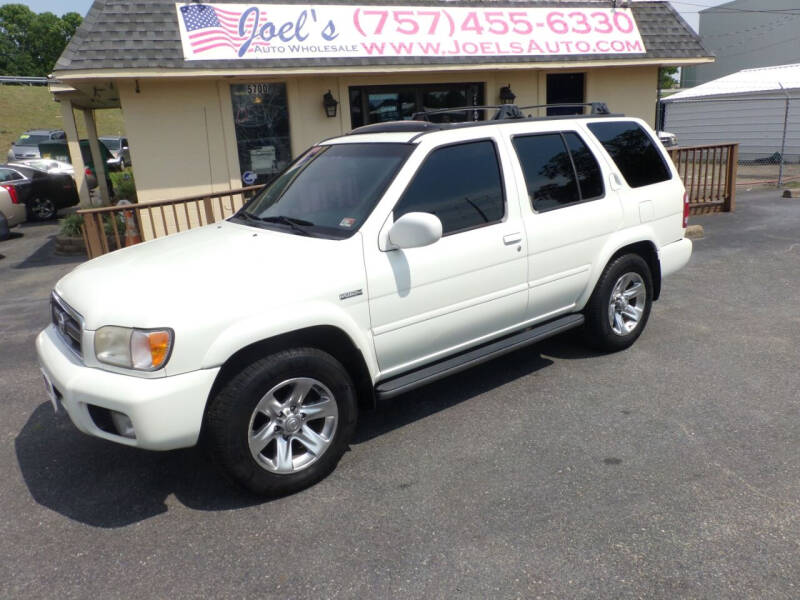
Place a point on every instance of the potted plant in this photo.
(69, 241)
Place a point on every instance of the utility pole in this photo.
(783, 142)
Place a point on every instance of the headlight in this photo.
(141, 349)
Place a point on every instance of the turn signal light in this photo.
(159, 347)
(149, 349)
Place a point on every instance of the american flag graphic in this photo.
(210, 27)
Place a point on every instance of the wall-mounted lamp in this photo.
(330, 103)
(506, 95)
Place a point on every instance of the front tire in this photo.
(620, 306)
(283, 422)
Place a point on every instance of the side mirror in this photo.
(414, 230)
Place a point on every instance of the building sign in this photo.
(282, 31)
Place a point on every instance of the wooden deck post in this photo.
(93, 235)
(733, 167)
(74, 148)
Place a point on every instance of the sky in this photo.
(688, 9)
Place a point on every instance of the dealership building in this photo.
(219, 95)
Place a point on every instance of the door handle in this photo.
(512, 238)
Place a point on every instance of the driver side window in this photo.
(461, 184)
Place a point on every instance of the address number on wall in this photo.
(257, 88)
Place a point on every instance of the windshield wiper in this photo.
(297, 225)
(293, 223)
(287, 220)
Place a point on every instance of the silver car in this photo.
(27, 145)
(118, 146)
(12, 209)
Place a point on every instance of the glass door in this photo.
(261, 119)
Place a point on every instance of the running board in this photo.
(425, 375)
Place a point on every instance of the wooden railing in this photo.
(114, 227)
(709, 174)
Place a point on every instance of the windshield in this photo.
(329, 191)
(111, 143)
(27, 139)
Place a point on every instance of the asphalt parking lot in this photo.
(671, 470)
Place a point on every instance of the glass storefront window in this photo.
(261, 119)
(376, 104)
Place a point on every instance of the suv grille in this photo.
(68, 324)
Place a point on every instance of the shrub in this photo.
(71, 225)
(124, 185)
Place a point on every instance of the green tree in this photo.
(31, 43)
(666, 76)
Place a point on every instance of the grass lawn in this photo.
(32, 107)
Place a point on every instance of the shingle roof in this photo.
(143, 34)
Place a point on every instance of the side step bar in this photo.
(428, 374)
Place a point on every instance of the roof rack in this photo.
(598, 108)
(504, 111)
(421, 121)
(512, 111)
(397, 126)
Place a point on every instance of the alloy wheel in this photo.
(293, 425)
(43, 209)
(627, 302)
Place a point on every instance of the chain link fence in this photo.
(767, 129)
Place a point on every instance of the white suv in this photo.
(377, 262)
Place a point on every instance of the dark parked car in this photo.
(58, 151)
(42, 193)
(27, 146)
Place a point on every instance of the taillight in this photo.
(685, 210)
(88, 171)
(12, 191)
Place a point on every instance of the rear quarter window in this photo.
(634, 152)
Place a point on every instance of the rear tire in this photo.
(620, 306)
(283, 422)
(41, 209)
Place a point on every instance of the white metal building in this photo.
(752, 107)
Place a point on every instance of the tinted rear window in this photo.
(634, 152)
(590, 178)
(548, 170)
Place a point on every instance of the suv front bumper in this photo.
(166, 412)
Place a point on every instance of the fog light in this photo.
(123, 424)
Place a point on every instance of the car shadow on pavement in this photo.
(107, 485)
(441, 395)
(104, 484)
